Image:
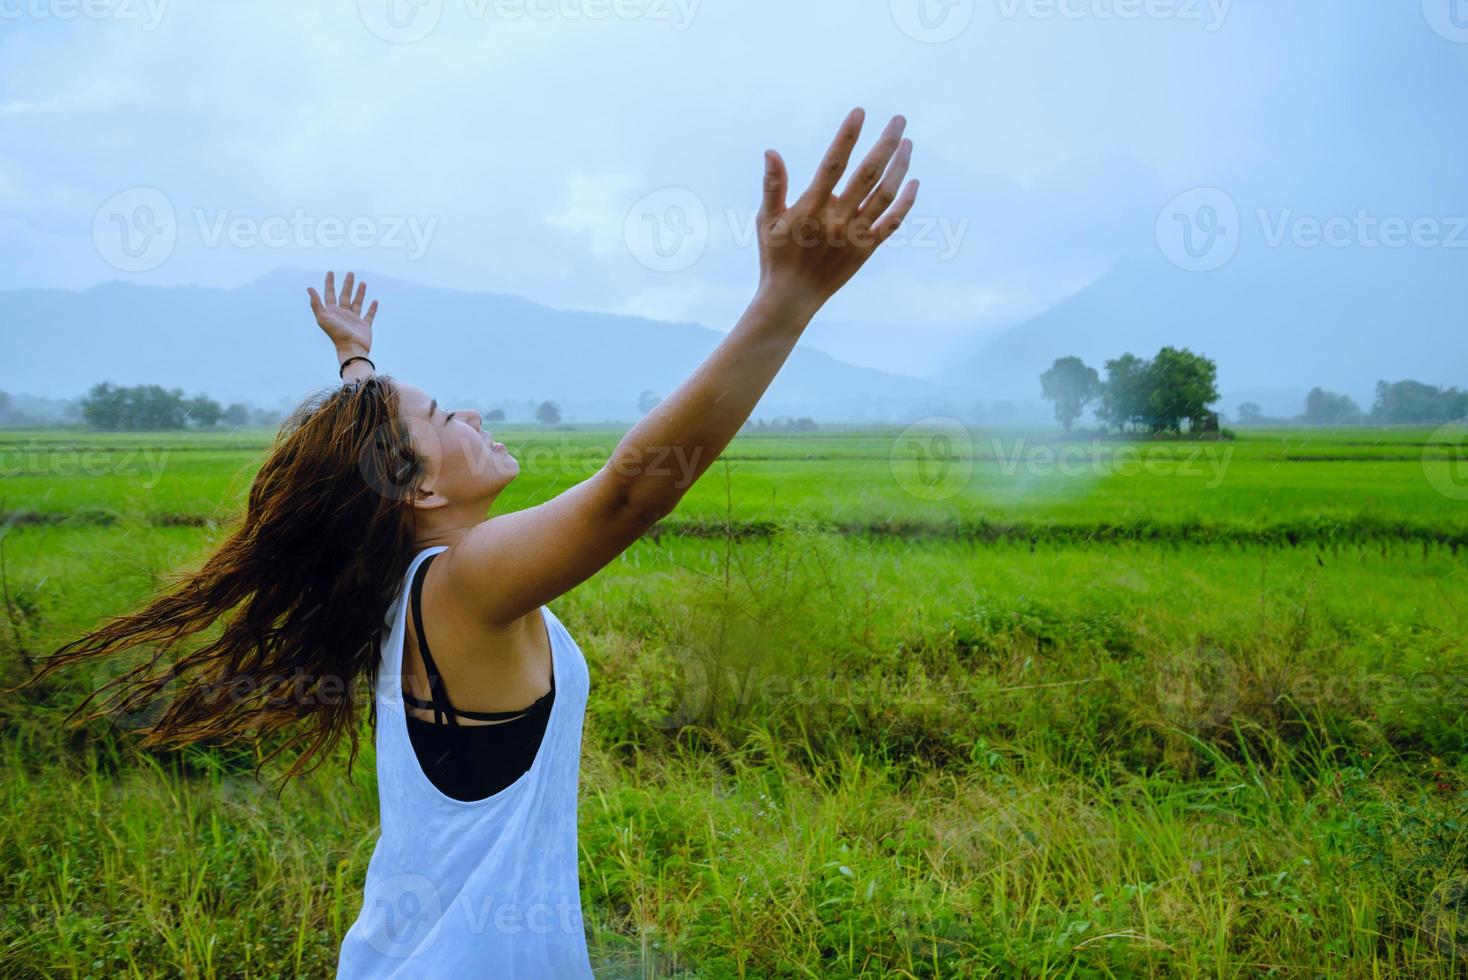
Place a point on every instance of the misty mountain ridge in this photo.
(1278, 322)
(258, 343)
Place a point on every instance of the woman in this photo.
(374, 498)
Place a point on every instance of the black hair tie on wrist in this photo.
(342, 371)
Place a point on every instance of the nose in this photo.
(478, 419)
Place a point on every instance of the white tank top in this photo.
(486, 888)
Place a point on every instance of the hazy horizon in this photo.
(588, 161)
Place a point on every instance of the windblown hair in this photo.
(301, 585)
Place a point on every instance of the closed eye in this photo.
(450, 418)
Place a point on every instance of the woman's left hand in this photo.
(340, 317)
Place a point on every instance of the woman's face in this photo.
(463, 464)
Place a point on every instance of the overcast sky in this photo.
(606, 154)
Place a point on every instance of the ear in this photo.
(426, 498)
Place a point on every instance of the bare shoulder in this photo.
(505, 568)
(489, 666)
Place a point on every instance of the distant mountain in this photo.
(258, 343)
(1278, 325)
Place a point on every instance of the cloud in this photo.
(596, 206)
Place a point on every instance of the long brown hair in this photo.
(301, 584)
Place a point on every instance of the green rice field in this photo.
(870, 703)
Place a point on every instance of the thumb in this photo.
(774, 184)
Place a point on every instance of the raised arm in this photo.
(513, 563)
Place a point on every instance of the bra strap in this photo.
(439, 697)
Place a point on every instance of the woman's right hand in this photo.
(340, 317)
(812, 248)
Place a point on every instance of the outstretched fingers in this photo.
(881, 199)
(892, 220)
(833, 164)
(873, 167)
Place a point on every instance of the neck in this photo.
(448, 525)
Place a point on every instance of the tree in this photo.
(1415, 403)
(203, 411)
(1071, 386)
(549, 413)
(1250, 413)
(1124, 395)
(495, 415)
(1180, 385)
(1328, 408)
(647, 401)
(236, 414)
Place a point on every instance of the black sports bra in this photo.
(470, 762)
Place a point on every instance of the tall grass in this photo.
(820, 754)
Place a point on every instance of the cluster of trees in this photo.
(782, 424)
(1155, 395)
(1397, 403)
(143, 407)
